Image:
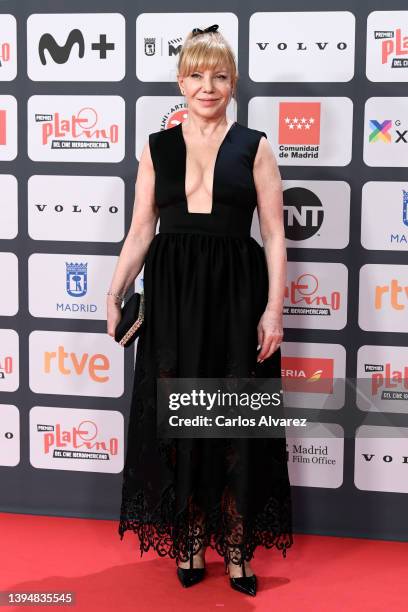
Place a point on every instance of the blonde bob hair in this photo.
(208, 50)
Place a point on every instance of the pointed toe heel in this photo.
(244, 584)
(192, 575)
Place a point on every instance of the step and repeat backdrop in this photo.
(80, 91)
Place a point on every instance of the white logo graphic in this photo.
(380, 459)
(74, 363)
(76, 439)
(79, 208)
(9, 435)
(316, 214)
(69, 286)
(76, 47)
(76, 128)
(386, 132)
(316, 295)
(8, 128)
(307, 131)
(9, 284)
(317, 461)
(387, 46)
(8, 48)
(385, 227)
(383, 298)
(382, 378)
(8, 208)
(160, 36)
(301, 46)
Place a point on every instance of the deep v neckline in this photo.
(214, 170)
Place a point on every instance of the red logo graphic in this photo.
(177, 117)
(397, 47)
(4, 52)
(389, 379)
(83, 438)
(82, 125)
(307, 374)
(3, 133)
(6, 366)
(299, 123)
(304, 298)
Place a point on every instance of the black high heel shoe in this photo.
(192, 575)
(244, 584)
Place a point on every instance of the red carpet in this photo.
(320, 574)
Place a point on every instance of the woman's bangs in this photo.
(203, 58)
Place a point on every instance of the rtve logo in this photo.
(95, 366)
(392, 294)
(383, 298)
(75, 363)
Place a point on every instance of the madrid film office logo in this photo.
(173, 46)
(76, 47)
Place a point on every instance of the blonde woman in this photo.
(213, 308)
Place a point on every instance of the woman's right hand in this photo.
(113, 314)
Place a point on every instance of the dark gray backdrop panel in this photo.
(68, 493)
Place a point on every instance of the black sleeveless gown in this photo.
(206, 287)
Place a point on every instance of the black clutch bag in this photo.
(132, 317)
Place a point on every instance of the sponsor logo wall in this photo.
(79, 94)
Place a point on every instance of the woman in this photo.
(213, 297)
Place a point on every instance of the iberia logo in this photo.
(80, 131)
(299, 123)
(307, 374)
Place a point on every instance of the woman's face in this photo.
(207, 91)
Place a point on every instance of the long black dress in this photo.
(206, 287)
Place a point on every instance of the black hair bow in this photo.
(212, 28)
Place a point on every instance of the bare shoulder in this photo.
(146, 156)
(264, 153)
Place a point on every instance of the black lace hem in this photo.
(177, 537)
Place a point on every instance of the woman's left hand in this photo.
(270, 334)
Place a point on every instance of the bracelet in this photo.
(116, 295)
